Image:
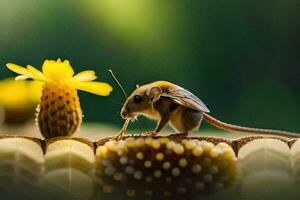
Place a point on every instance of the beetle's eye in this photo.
(137, 98)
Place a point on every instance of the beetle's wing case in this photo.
(185, 98)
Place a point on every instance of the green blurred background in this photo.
(240, 57)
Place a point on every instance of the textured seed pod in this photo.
(162, 168)
(59, 113)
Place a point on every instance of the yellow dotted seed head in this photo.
(60, 113)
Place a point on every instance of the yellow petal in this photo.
(37, 75)
(18, 69)
(99, 88)
(57, 70)
(88, 75)
(21, 77)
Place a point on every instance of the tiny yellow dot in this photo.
(223, 145)
(178, 149)
(148, 141)
(189, 145)
(207, 146)
(147, 163)
(156, 144)
(120, 152)
(138, 175)
(140, 156)
(159, 156)
(184, 141)
(197, 151)
(166, 165)
(215, 152)
(123, 160)
(171, 145)
(102, 151)
(130, 142)
(176, 171)
(111, 146)
(182, 162)
(229, 155)
(163, 140)
(139, 142)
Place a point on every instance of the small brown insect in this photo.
(169, 103)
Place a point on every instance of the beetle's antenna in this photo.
(119, 84)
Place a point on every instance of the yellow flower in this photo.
(59, 113)
(18, 99)
(19, 95)
(62, 73)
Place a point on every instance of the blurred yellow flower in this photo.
(59, 112)
(16, 95)
(62, 73)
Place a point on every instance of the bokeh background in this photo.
(240, 57)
